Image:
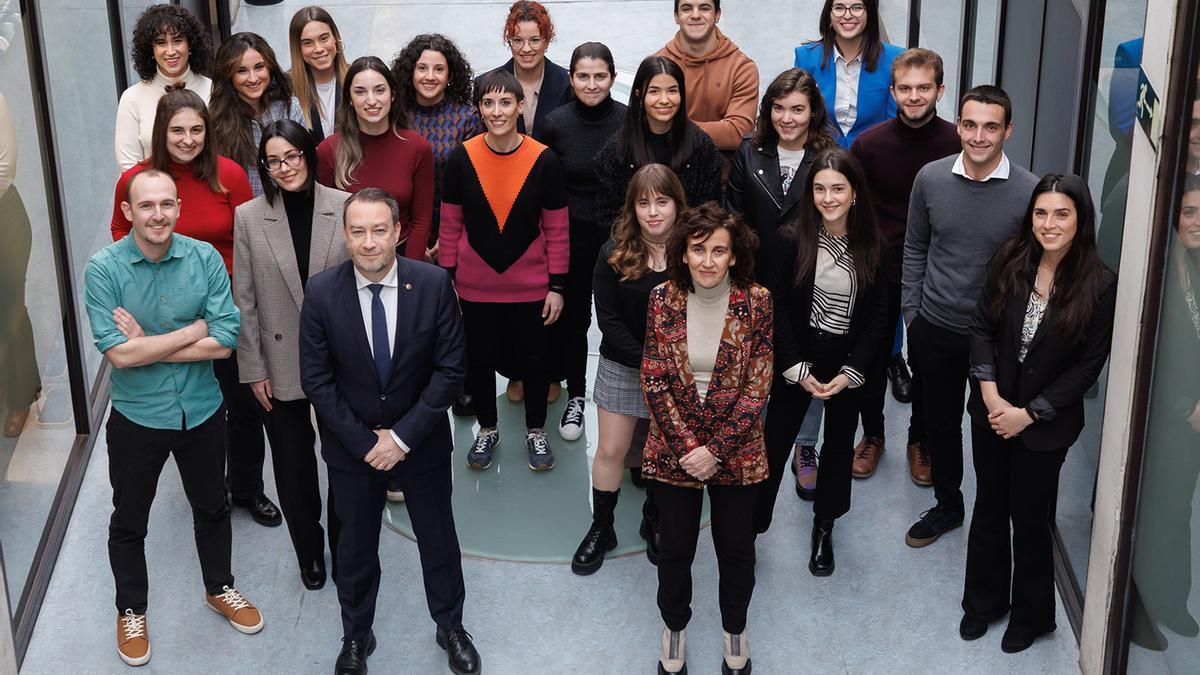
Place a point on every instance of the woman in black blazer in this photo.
(1039, 338)
(830, 308)
(766, 176)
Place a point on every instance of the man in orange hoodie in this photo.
(721, 82)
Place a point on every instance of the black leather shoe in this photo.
(653, 536)
(460, 652)
(590, 555)
(1017, 640)
(972, 629)
(353, 659)
(262, 510)
(901, 379)
(821, 561)
(464, 405)
(312, 574)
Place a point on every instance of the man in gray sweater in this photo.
(961, 209)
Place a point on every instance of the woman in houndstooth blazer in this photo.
(291, 232)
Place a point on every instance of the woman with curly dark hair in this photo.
(249, 92)
(706, 374)
(170, 49)
(434, 79)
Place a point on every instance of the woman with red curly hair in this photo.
(528, 31)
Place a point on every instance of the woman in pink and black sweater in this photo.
(505, 239)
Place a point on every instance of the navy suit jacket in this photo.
(337, 371)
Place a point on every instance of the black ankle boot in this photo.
(821, 562)
(600, 538)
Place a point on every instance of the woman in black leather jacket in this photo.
(768, 169)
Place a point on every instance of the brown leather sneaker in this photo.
(133, 642)
(918, 464)
(234, 606)
(866, 456)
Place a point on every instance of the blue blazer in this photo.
(337, 371)
(875, 102)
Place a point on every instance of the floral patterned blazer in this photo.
(729, 421)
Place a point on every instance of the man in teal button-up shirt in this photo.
(161, 310)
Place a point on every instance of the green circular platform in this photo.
(511, 513)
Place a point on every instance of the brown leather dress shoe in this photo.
(866, 456)
(918, 464)
(14, 423)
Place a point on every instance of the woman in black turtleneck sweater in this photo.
(575, 132)
(280, 239)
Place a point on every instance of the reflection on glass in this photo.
(35, 401)
(1163, 629)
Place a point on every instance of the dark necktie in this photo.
(379, 334)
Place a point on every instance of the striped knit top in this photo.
(834, 284)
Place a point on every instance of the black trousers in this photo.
(294, 460)
(245, 447)
(785, 413)
(679, 516)
(1018, 485)
(136, 455)
(941, 360)
(569, 335)
(359, 501)
(874, 391)
(491, 325)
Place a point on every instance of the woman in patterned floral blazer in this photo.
(706, 374)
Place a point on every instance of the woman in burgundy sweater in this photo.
(374, 149)
(210, 188)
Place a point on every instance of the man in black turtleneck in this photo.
(892, 153)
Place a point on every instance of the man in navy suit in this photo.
(382, 357)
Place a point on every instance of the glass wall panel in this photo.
(986, 42)
(83, 99)
(1164, 606)
(1108, 140)
(941, 31)
(35, 398)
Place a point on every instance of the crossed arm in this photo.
(187, 344)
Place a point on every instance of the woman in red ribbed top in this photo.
(210, 187)
(374, 149)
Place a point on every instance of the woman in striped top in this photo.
(830, 311)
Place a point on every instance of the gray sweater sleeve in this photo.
(916, 250)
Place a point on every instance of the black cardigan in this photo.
(755, 190)
(700, 175)
(1055, 374)
(621, 310)
(793, 308)
(555, 91)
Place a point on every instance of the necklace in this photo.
(656, 253)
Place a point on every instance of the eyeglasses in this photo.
(519, 43)
(292, 159)
(854, 10)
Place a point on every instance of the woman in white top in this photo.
(318, 68)
(170, 49)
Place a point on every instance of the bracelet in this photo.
(558, 289)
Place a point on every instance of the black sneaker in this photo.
(933, 523)
(480, 455)
(571, 425)
(540, 456)
(464, 405)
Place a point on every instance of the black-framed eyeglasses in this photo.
(854, 10)
(292, 159)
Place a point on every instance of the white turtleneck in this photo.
(135, 113)
(706, 310)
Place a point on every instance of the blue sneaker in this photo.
(540, 456)
(480, 455)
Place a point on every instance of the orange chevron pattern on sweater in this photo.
(502, 176)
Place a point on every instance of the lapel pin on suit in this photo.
(408, 287)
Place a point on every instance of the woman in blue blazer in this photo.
(851, 27)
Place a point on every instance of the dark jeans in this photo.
(491, 325)
(785, 413)
(940, 358)
(136, 455)
(294, 460)
(1012, 483)
(569, 335)
(244, 445)
(733, 538)
(360, 498)
(874, 391)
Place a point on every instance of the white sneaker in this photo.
(571, 425)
